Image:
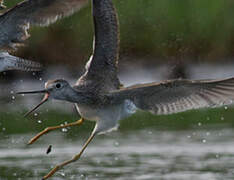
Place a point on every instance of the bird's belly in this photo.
(106, 117)
(111, 112)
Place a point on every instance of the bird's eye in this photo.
(58, 85)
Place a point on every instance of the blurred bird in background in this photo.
(15, 23)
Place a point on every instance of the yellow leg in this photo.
(48, 129)
(75, 158)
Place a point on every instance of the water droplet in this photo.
(116, 143)
(225, 107)
(3, 129)
(208, 133)
(39, 121)
(199, 124)
(63, 174)
(116, 158)
(35, 114)
(12, 92)
(40, 79)
(222, 118)
(64, 129)
(73, 177)
(13, 97)
(98, 161)
(203, 141)
(188, 136)
(33, 73)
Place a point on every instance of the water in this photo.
(140, 154)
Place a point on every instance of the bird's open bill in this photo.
(45, 98)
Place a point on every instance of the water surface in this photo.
(200, 154)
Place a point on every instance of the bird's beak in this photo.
(45, 98)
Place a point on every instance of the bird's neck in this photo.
(76, 96)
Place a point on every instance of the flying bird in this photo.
(15, 23)
(99, 96)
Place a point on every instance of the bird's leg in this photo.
(48, 129)
(75, 158)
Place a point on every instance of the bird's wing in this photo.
(16, 21)
(9, 62)
(178, 95)
(101, 69)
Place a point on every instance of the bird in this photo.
(99, 96)
(15, 23)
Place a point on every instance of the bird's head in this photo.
(54, 89)
(57, 89)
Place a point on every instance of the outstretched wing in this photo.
(16, 21)
(101, 69)
(179, 95)
(9, 62)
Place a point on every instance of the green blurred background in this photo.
(156, 30)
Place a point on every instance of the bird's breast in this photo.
(87, 112)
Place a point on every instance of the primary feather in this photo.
(174, 96)
(9, 62)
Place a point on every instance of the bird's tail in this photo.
(9, 62)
